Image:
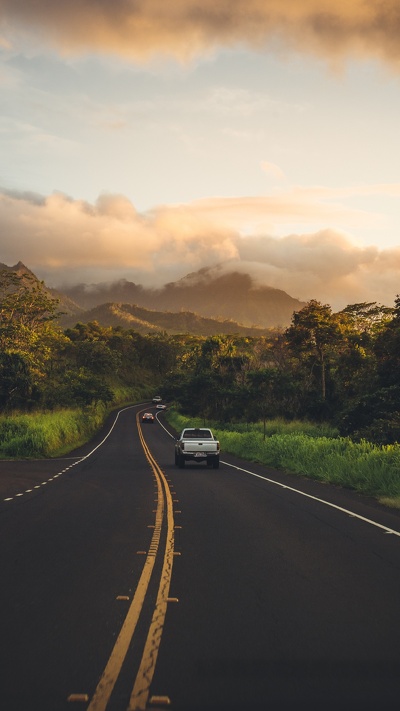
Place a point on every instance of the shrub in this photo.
(368, 468)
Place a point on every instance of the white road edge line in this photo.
(78, 459)
(316, 498)
(302, 493)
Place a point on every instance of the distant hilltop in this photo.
(203, 303)
(67, 306)
(233, 296)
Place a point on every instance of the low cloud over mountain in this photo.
(205, 302)
(68, 241)
(212, 293)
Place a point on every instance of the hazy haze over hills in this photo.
(208, 293)
(203, 302)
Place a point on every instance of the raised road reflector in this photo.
(83, 698)
(160, 700)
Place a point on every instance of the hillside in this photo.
(204, 303)
(147, 321)
(66, 304)
(208, 293)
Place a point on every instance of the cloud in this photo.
(59, 236)
(325, 265)
(69, 241)
(186, 28)
(306, 205)
(273, 170)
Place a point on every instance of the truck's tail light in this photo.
(217, 446)
(182, 445)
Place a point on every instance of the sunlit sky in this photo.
(146, 140)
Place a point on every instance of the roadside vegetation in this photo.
(48, 434)
(320, 398)
(57, 387)
(301, 448)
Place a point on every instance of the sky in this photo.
(145, 140)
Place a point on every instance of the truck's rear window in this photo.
(197, 434)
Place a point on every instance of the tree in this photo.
(260, 391)
(84, 388)
(367, 318)
(25, 310)
(375, 416)
(387, 349)
(159, 352)
(26, 336)
(313, 338)
(16, 382)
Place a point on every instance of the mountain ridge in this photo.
(67, 305)
(208, 293)
(204, 302)
(131, 316)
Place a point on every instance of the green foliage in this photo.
(16, 380)
(26, 338)
(367, 468)
(275, 426)
(361, 466)
(25, 308)
(339, 368)
(324, 367)
(375, 416)
(47, 435)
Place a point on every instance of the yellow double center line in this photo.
(141, 688)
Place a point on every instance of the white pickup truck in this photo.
(197, 444)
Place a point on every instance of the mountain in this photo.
(208, 293)
(66, 304)
(205, 302)
(131, 316)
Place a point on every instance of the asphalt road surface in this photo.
(128, 583)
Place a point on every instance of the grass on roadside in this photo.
(301, 448)
(48, 434)
(55, 433)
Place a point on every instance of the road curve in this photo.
(283, 592)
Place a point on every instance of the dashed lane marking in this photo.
(76, 460)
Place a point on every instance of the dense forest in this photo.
(341, 368)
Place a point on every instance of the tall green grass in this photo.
(50, 434)
(125, 395)
(54, 433)
(300, 448)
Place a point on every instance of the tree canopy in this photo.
(339, 367)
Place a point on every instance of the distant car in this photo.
(148, 417)
(157, 399)
(161, 407)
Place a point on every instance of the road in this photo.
(127, 583)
